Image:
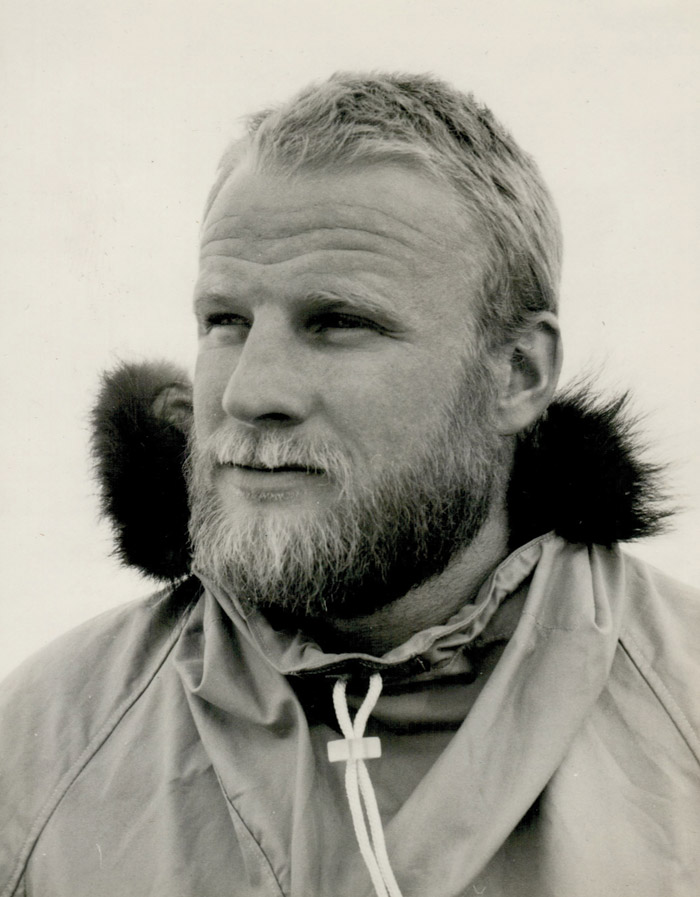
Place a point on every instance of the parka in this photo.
(543, 741)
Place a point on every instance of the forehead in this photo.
(390, 201)
(385, 226)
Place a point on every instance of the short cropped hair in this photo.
(423, 122)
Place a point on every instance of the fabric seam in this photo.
(662, 694)
(255, 841)
(94, 745)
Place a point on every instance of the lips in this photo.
(287, 468)
(258, 483)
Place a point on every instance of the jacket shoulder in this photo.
(661, 635)
(60, 705)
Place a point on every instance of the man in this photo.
(408, 657)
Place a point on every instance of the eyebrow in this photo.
(349, 300)
(210, 297)
(326, 300)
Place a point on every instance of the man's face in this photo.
(338, 391)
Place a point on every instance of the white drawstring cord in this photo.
(354, 749)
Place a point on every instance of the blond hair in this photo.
(422, 122)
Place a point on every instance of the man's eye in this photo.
(340, 321)
(224, 319)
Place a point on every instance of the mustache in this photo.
(271, 450)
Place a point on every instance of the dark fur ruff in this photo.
(578, 471)
(139, 455)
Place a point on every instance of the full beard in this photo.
(378, 539)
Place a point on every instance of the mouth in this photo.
(282, 469)
(262, 484)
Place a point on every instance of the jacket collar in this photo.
(427, 655)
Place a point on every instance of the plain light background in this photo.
(113, 118)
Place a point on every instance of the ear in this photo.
(529, 372)
(173, 404)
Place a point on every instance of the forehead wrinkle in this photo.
(376, 229)
(356, 253)
(340, 231)
(372, 285)
(279, 249)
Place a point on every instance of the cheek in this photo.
(390, 411)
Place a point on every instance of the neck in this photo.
(429, 604)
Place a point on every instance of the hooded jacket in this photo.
(544, 741)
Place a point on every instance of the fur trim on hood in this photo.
(578, 471)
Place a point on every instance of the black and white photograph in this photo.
(351, 492)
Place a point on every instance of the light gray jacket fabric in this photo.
(544, 742)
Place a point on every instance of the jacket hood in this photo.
(579, 471)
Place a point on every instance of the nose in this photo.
(269, 386)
